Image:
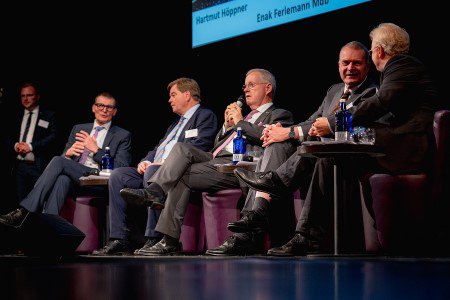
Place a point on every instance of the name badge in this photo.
(43, 123)
(191, 133)
(350, 105)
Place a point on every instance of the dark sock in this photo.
(261, 205)
(171, 241)
(156, 188)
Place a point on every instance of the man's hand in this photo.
(233, 114)
(142, 166)
(275, 133)
(76, 149)
(320, 127)
(88, 141)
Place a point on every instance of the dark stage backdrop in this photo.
(77, 51)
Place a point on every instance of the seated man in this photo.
(83, 152)
(354, 65)
(196, 126)
(188, 168)
(406, 102)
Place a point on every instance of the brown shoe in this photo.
(14, 218)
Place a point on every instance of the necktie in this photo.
(345, 96)
(27, 127)
(160, 152)
(86, 151)
(231, 137)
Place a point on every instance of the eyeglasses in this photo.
(371, 50)
(101, 106)
(252, 85)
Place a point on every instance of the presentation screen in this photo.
(216, 20)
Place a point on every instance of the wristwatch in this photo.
(292, 133)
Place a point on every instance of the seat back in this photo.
(403, 205)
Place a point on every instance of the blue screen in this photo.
(215, 20)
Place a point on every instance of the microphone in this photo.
(240, 101)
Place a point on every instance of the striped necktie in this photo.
(160, 152)
(27, 127)
(86, 151)
(231, 137)
(345, 96)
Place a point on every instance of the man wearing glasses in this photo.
(188, 168)
(83, 152)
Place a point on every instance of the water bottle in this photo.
(343, 129)
(107, 161)
(239, 146)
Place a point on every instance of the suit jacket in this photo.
(334, 93)
(408, 97)
(117, 139)
(254, 131)
(204, 120)
(43, 137)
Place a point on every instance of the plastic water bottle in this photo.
(344, 128)
(239, 146)
(107, 161)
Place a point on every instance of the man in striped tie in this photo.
(63, 172)
(188, 168)
(195, 126)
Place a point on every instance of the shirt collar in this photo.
(187, 115)
(106, 125)
(264, 107)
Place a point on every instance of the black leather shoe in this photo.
(14, 218)
(116, 247)
(235, 246)
(148, 244)
(267, 182)
(166, 246)
(143, 197)
(251, 221)
(297, 246)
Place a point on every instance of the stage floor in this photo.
(206, 277)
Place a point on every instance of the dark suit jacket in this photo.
(334, 93)
(204, 120)
(409, 98)
(117, 139)
(43, 138)
(254, 131)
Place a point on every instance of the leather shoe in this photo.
(14, 218)
(143, 197)
(116, 247)
(267, 182)
(297, 246)
(166, 246)
(253, 220)
(234, 245)
(148, 244)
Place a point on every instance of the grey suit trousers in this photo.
(187, 169)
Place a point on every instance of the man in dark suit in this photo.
(197, 126)
(31, 142)
(188, 168)
(402, 112)
(83, 152)
(354, 65)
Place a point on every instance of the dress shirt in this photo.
(252, 120)
(34, 117)
(187, 115)
(90, 162)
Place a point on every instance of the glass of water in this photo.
(363, 135)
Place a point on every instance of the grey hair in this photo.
(358, 46)
(393, 38)
(265, 76)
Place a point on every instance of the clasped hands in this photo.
(83, 140)
(233, 114)
(275, 133)
(22, 148)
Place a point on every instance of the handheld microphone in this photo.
(240, 101)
